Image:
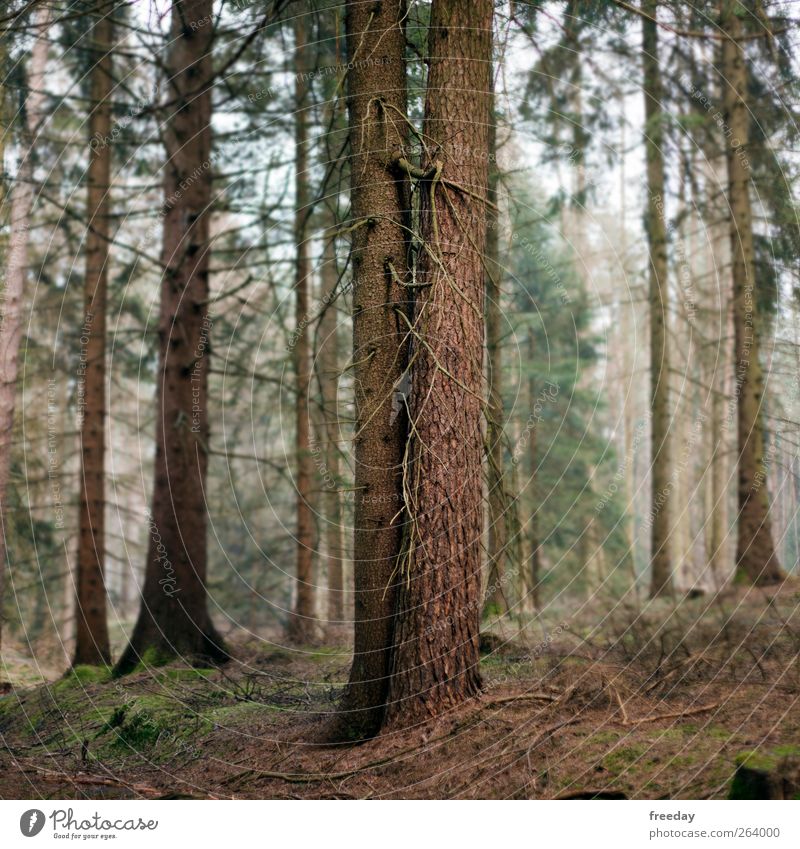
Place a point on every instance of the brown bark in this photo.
(756, 559)
(174, 619)
(328, 379)
(495, 602)
(377, 102)
(16, 266)
(302, 627)
(436, 662)
(92, 643)
(661, 485)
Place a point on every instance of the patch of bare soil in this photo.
(656, 701)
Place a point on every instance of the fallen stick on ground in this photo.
(506, 699)
(678, 715)
(93, 780)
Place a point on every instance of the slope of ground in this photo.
(654, 702)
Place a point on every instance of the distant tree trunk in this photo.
(380, 203)
(436, 663)
(627, 362)
(302, 622)
(756, 558)
(16, 266)
(496, 601)
(660, 508)
(174, 619)
(533, 532)
(717, 268)
(92, 644)
(329, 384)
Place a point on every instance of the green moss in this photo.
(139, 732)
(89, 674)
(187, 674)
(234, 715)
(620, 759)
(757, 770)
(667, 735)
(152, 658)
(766, 760)
(141, 722)
(604, 738)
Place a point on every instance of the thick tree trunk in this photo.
(380, 203)
(92, 644)
(174, 619)
(302, 622)
(756, 558)
(16, 266)
(496, 601)
(329, 383)
(661, 484)
(436, 663)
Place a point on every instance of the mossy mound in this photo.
(767, 774)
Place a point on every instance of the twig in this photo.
(678, 715)
(621, 705)
(522, 697)
(91, 780)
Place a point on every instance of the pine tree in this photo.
(173, 618)
(756, 559)
(302, 622)
(16, 267)
(655, 226)
(436, 663)
(380, 222)
(92, 643)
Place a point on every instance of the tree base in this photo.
(209, 651)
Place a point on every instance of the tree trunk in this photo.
(329, 383)
(756, 558)
(718, 269)
(533, 532)
(92, 644)
(380, 203)
(495, 602)
(174, 619)
(22, 197)
(628, 363)
(436, 663)
(661, 567)
(302, 622)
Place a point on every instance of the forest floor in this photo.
(656, 701)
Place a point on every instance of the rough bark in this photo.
(379, 197)
(92, 643)
(495, 602)
(329, 383)
(660, 508)
(436, 661)
(302, 626)
(173, 618)
(16, 266)
(756, 559)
